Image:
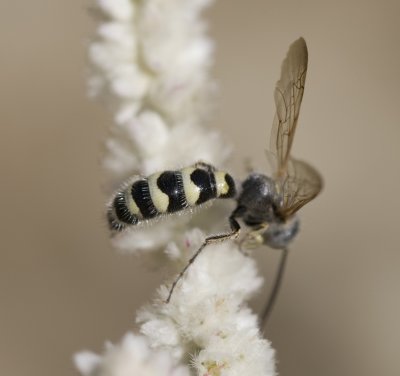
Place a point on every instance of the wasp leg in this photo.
(253, 239)
(235, 229)
(243, 251)
(275, 287)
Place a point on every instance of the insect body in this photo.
(266, 205)
(167, 192)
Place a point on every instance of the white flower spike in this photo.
(151, 65)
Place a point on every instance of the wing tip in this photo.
(299, 46)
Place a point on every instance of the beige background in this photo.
(61, 286)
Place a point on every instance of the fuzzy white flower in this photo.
(151, 62)
(133, 356)
(208, 316)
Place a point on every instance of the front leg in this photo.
(253, 238)
(233, 234)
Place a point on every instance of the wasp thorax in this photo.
(258, 200)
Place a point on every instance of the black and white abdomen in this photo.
(167, 192)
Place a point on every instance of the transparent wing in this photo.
(301, 184)
(288, 95)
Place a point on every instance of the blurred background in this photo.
(63, 289)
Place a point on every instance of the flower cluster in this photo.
(207, 316)
(150, 64)
(206, 325)
(133, 356)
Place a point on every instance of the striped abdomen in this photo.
(168, 192)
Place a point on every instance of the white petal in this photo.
(86, 362)
(118, 9)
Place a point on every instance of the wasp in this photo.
(266, 205)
